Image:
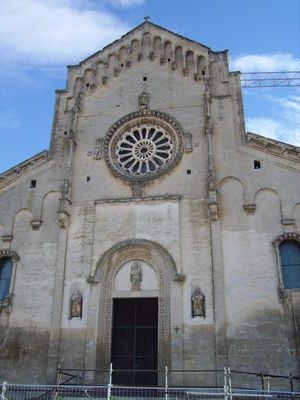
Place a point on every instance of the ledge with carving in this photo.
(26, 166)
(272, 146)
(166, 197)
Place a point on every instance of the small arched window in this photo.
(6, 267)
(290, 263)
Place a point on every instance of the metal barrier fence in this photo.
(186, 378)
(79, 389)
(44, 392)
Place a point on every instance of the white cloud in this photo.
(265, 63)
(126, 3)
(40, 32)
(284, 122)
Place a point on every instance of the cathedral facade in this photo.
(155, 231)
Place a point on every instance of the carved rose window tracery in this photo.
(144, 150)
(143, 145)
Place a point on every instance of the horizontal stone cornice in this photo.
(274, 147)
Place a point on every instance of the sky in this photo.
(39, 38)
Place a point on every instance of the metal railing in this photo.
(66, 389)
(188, 378)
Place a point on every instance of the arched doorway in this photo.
(116, 290)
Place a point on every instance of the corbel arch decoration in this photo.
(107, 268)
(288, 239)
(8, 264)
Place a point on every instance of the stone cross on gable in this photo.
(146, 18)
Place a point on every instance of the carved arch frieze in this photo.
(147, 46)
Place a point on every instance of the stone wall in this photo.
(208, 222)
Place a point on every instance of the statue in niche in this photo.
(198, 303)
(136, 276)
(76, 305)
(144, 99)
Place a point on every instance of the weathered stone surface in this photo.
(209, 220)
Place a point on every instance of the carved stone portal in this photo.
(164, 267)
(136, 276)
(198, 304)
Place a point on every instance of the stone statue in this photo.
(198, 304)
(66, 188)
(76, 305)
(136, 276)
(144, 100)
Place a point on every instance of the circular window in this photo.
(143, 145)
(144, 150)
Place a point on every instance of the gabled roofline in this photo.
(13, 173)
(131, 31)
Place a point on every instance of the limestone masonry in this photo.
(155, 231)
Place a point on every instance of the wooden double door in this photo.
(134, 341)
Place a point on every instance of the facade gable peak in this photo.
(138, 33)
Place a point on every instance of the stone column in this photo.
(216, 246)
(219, 298)
(58, 291)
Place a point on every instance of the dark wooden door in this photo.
(134, 341)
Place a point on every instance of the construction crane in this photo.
(270, 79)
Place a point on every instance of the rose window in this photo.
(143, 145)
(144, 150)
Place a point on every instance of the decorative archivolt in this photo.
(108, 266)
(133, 243)
(9, 253)
(286, 236)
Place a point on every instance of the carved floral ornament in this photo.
(143, 145)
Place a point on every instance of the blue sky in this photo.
(38, 38)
